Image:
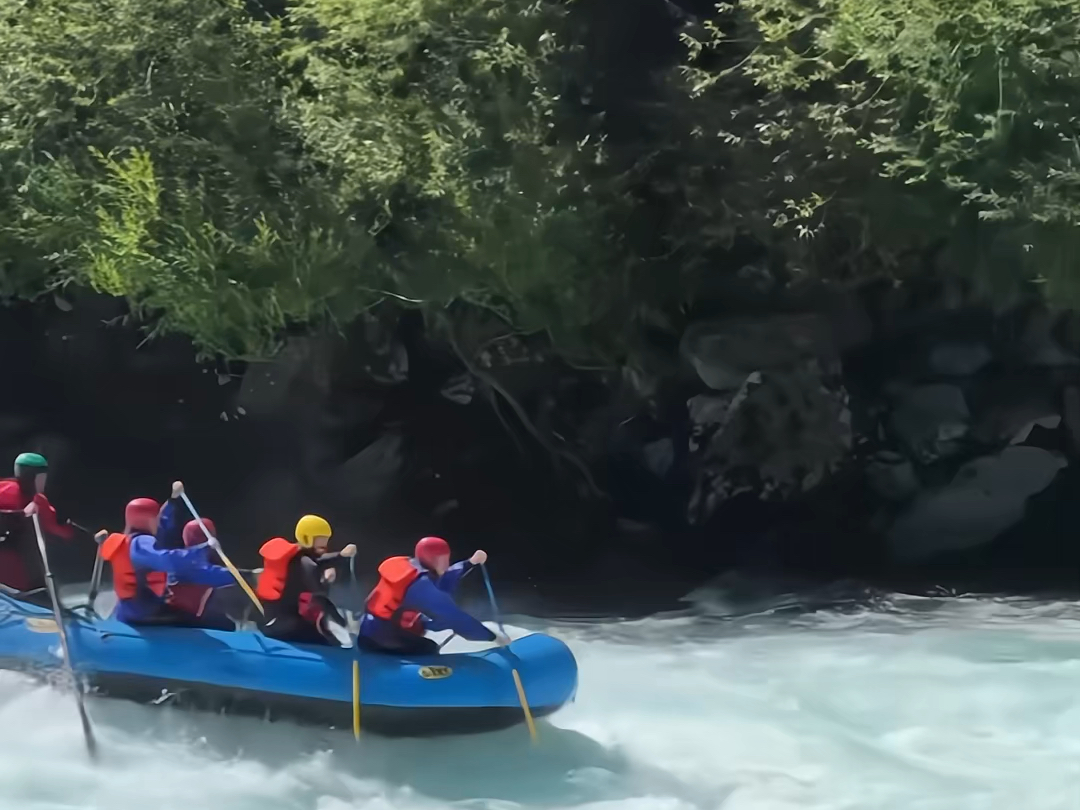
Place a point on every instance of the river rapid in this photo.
(903, 704)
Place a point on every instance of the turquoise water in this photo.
(915, 704)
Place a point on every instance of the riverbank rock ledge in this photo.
(846, 431)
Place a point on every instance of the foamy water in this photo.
(915, 705)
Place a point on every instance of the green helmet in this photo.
(30, 461)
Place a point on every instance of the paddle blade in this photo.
(88, 732)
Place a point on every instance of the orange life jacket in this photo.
(116, 551)
(277, 553)
(396, 574)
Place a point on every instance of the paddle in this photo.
(517, 678)
(95, 577)
(355, 668)
(80, 527)
(88, 731)
(221, 553)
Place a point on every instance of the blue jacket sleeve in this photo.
(168, 535)
(186, 564)
(434, 603)
(449, 581)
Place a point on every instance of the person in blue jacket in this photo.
(414, 596)
(142, 567)
(205, 598)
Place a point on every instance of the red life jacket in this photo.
(18, 569)
(127, 581)
(20, 566)
(189, 597)
(13, 522)
(277, 553)
(396, 574)
(12, 498)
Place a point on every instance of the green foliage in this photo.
(146, 155)
(913, 123)
(235, 175)
(441, 123)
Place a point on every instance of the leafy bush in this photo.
(231, 177)
(236, 172)
(912, 124)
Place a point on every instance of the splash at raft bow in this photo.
(250, 673)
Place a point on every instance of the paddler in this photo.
(414, 596)
(196, 598)
(20, 497)
(141, 568)
(293, 586)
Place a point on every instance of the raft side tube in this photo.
(248, 673)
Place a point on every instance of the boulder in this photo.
(266, 386)
(659, 456)
(1071, 415)
(985, 497)
(959, 359)
(1037, 345)
(725, 353)
(372, 475)
(380, 354)
(781, 433)
(892, 476)
(460, 389)
(1051, 422)
(1012, 406)
(929, 419)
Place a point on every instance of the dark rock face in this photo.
(876, 432)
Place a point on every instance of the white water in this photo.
(917, 705)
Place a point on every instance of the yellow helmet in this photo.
(309, 527)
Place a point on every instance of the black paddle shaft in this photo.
(50, 584)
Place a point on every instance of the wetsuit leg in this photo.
(228, 601)
(19, 569)
(328, 608)
(293, 628)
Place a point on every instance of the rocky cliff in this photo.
(908, 433)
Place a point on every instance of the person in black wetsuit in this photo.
(293, 586)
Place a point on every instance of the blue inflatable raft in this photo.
(247, 673)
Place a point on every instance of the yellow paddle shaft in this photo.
(241, 581)
(524, 704)
(356, 699)
(221, 553)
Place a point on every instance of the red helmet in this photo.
(193, 533)
(140, 513)
(430, 549)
